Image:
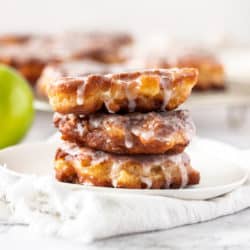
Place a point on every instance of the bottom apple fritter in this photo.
(86, 166)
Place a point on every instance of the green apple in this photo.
(16, 106)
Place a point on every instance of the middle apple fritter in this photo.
(133, 133)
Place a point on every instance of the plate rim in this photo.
(42, 105)
(187, 189)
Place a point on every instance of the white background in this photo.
(190, 19)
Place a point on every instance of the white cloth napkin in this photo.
(49, 208)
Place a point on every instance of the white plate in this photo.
(218, 163)
(42, 105)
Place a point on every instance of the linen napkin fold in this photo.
(50, 208)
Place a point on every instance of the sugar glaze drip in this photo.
(165, 81)
(80, 93)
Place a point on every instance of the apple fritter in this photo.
(85, 166)
(138, 91)
(133, 133)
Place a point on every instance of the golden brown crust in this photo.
(90, 167)
(53, 72)
(134, 133)
(142, 91)
(211, 71)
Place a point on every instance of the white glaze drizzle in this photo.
(95, 121)
(70, 148)
(80, 129)
(99, 157)
(87, 183)
(178, 159)
(147, 180)
(146, 170)
(147, 135)
(172, 123)
(184, 175)
(128, 140)
(114, 174)
(107, 96)
(166, 91)
(129, 96)
(71, 116)
(107, 103)
(131, 101)
(128, 137)
(167, 176)
(80, 94)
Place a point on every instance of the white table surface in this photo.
(230, 232)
